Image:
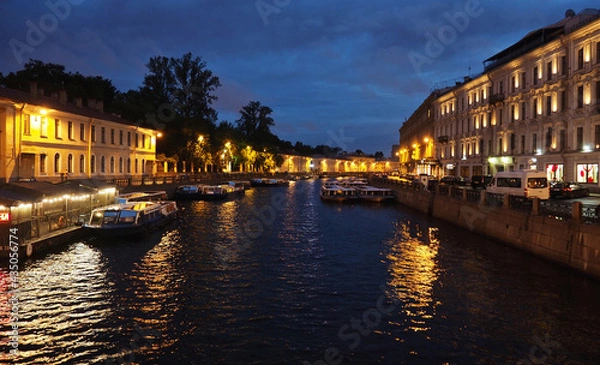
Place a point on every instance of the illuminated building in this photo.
(47, 138)
(536, 105)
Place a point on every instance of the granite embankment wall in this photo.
(569, 242)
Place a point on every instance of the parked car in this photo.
(480, 181)
(453, 180)
(568, 190)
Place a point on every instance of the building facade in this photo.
(46, 138)
(535, 106)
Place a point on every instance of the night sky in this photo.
(343, 73)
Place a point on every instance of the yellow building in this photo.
(47, 138)
(536, 105)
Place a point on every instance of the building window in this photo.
(513, 84)
(563, 65)
(57, 163)
(513, 113)
(513, 143)
(93, 132)
(143, 166)
(597, 137)
(523, 80)
(93, 164)
(43, 159)
(112, 164)
(481, 146)
(81, 164)
(500, 149)
(597, 52)
(70, 164)
(143, 141)
(500, 116)
(535, 108)
(112, 136)
(136, 141)
(522, 144)
(548, 104)
(135, 167)
(587, 173)
(580, 96)
(549, 71)
(44, 127)
(102, 165)
(27, 124)
(562, 140)
(523, 110)
(120, 165)
(57, 129)
(129, 139)
(535, 75)
(579, 138)
(580, 59)
(121, 138)
(82, 132)
(102, 135)
(534, 144)
(70, 132)
(549, 138)
(129, 165)
(501, 87)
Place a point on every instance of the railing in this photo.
(585, 213)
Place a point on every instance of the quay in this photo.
(563, 232)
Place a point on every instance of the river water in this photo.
(279, 277)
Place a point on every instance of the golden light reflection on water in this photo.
(413, 271)
(63, 301)
(155, 282)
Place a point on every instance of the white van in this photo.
(527, 183)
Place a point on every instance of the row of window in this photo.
(121, 167)
(471, 148)
(520, 80)
(121, 138)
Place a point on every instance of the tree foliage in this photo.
(53, 78)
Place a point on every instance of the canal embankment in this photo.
(565, 233)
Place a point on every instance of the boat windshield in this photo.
(110, 217)
(127, 216)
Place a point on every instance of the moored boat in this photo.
(208, 192)
(370, 193)
(130, 219)
(269, 182)
(141, 196)
(338, 193)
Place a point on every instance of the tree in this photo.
(378, 155)
(52, 78)
(181, 92)
(255, 124)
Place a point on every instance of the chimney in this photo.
(91, 103)
(33, 88)
(62, 96)
(78, 101)
(100, 106)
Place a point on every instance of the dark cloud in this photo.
(326, 68)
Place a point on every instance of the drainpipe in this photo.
(89, 170)
(17, 139)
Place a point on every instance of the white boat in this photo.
(130, 219)
(370, 193)
(338, 193)
(141, 196)
(208, 192)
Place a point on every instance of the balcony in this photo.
(496, 98)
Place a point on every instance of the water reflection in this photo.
(413, 271)
(63, 301)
